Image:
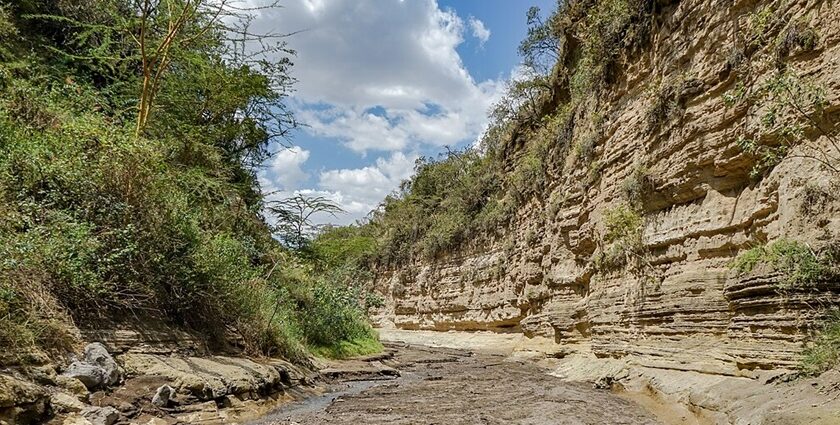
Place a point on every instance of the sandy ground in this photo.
(457, 386)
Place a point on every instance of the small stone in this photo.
(66, 403)
(73, 385)
(162, 396)
(604, 382)
(101, 415)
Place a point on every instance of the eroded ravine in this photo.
(449, 386)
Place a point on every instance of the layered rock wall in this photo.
(685, 309)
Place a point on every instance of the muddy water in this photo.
(446, 386)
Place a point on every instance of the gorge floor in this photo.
(450, 386)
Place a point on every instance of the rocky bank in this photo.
(151, 375)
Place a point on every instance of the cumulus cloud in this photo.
(381, 77)
(362, 189)
(285, 168)
(479, 31)
(357, 190)
(354, 55)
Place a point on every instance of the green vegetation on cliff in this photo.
(472, 195)
(129, 133)
(800, 265)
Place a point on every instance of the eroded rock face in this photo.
(686, 309)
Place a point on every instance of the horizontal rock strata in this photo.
(685, 309)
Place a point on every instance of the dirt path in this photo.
(448, 386)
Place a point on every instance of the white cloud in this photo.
(357, 190)
(479, 31)
(360, 190)
(284, 169)
(400, 56)
(381, 76)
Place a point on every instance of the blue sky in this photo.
(381, 82)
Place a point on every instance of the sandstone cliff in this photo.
(678, 305)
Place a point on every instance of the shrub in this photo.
(585, 149)
(622, 239)
(800, 265)
(797, 37)
(593, 173)
(528, 176)
(760, 24)
(334, 322)
(336, 247)
(638, 186)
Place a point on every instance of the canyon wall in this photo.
(684, 308)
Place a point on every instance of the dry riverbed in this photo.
(455, 386)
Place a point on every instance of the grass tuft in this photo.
(823, 353)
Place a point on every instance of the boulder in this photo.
(101, 415)
(91, 376)
(162, 395)
(98, 368)
(97, 354)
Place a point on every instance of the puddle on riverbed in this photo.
(322, 402)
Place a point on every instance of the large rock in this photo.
(98, 369)
(97, 354)
(92, 376)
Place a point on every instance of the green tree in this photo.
(294, 217)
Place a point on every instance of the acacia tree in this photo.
(294, 217)
(162, 28)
